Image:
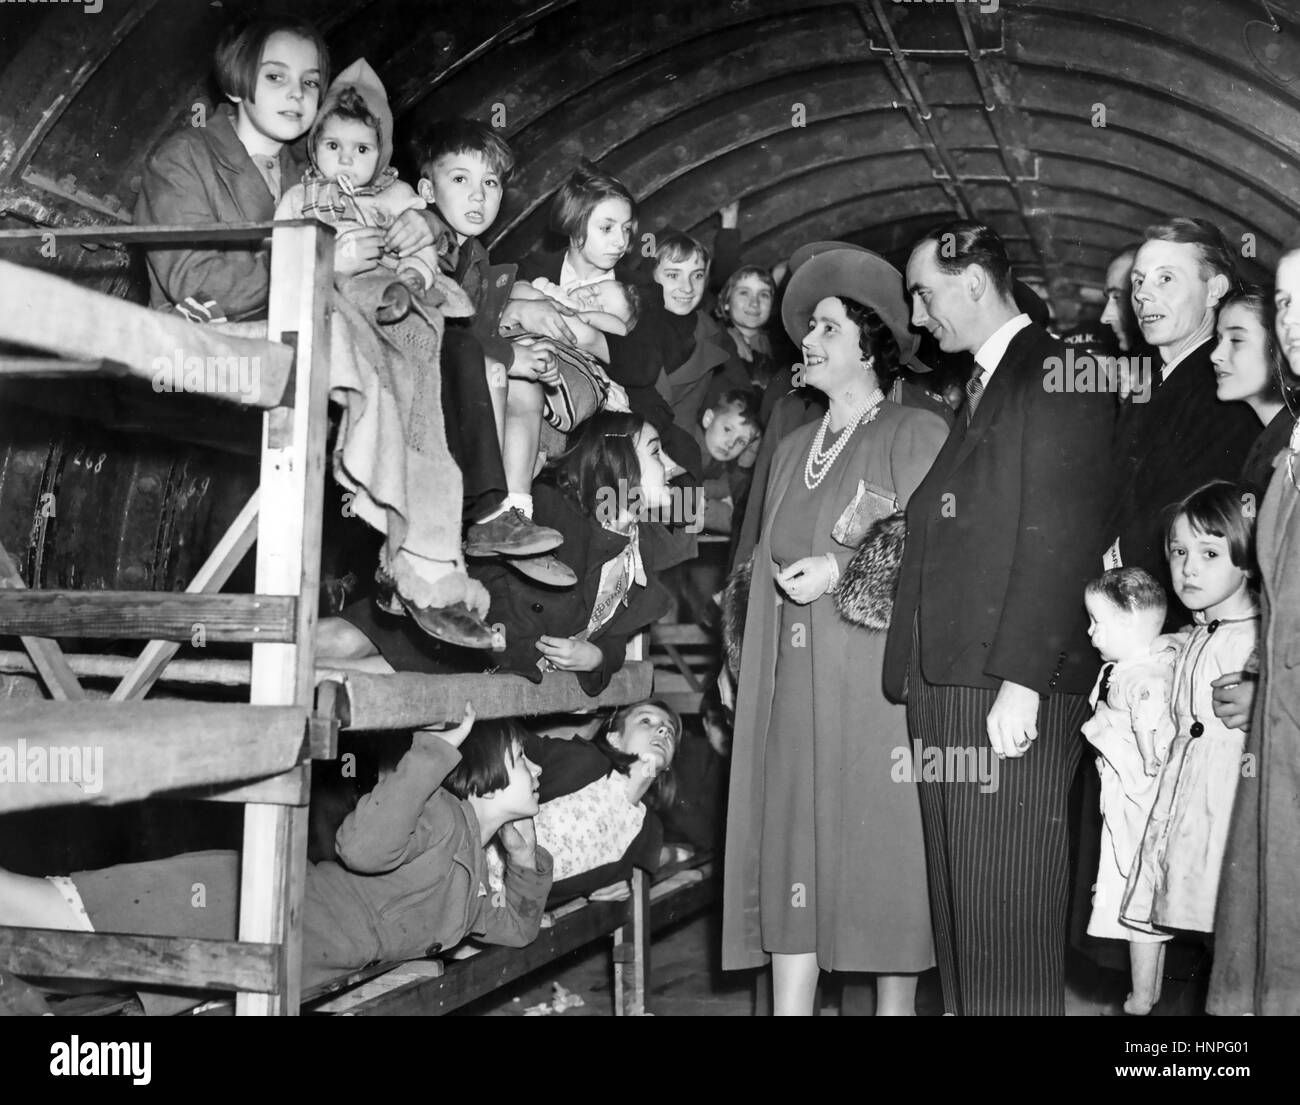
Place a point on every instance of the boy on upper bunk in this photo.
(463, 169)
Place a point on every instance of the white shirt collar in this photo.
(990, 354)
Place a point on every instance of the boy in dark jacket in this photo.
(463, 169)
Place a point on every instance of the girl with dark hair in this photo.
(411, 877)
(1248, 367)
(1257, 921)
(1175, 880)
(607, 495)
(825, 862)
(595, 214)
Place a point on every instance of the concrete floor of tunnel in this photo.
(685, 980)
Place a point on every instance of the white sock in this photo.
(514, 500)
(523, 502)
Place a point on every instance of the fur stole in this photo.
(734, 601)
(864, 596)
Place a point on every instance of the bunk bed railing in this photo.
(258, 754)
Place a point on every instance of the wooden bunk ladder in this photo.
(256, 753)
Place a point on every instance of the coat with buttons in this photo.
(529, 610)
(1002, 536)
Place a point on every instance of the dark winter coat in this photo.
(1166, 448)
(530, 610)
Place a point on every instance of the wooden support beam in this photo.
(293, 788)
(149, 615)
(273, 874)
(680, 894)
(679, 662)
(683, 635)
(92, 665)
(183, 234)
(173, 355)
(217, 568)
(102, 753)
(46, 655)
(200, 673)
(42, 368)
(145, 960)
(470, 979)
(632, 952)
(408, 700)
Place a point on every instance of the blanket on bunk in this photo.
(387, 379)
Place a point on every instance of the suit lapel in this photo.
(1168, 397)
(1000, 385)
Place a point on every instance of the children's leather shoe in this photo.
(510, 534)
(456, 624)
(546, 569)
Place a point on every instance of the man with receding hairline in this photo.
(1185, 436)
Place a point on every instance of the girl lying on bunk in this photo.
(609, 496)
(411, 879)
(600, 797)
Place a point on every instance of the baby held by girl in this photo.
(1169, 767)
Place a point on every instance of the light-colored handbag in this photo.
(869, 505)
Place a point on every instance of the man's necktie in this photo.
(974, 392)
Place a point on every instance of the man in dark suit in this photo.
(1184, 436)
(988, 642)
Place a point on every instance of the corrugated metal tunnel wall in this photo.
(1067, 124)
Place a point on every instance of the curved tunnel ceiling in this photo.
(869, 122)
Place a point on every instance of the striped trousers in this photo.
(997, 856)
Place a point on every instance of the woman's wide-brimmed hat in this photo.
(823, 269)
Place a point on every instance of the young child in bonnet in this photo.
(350, 183)
(1131, 728)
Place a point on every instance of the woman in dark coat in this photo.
(825, 864)
(1257, 925)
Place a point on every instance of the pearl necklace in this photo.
(819, 462)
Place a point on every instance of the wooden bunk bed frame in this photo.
(256, 753)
